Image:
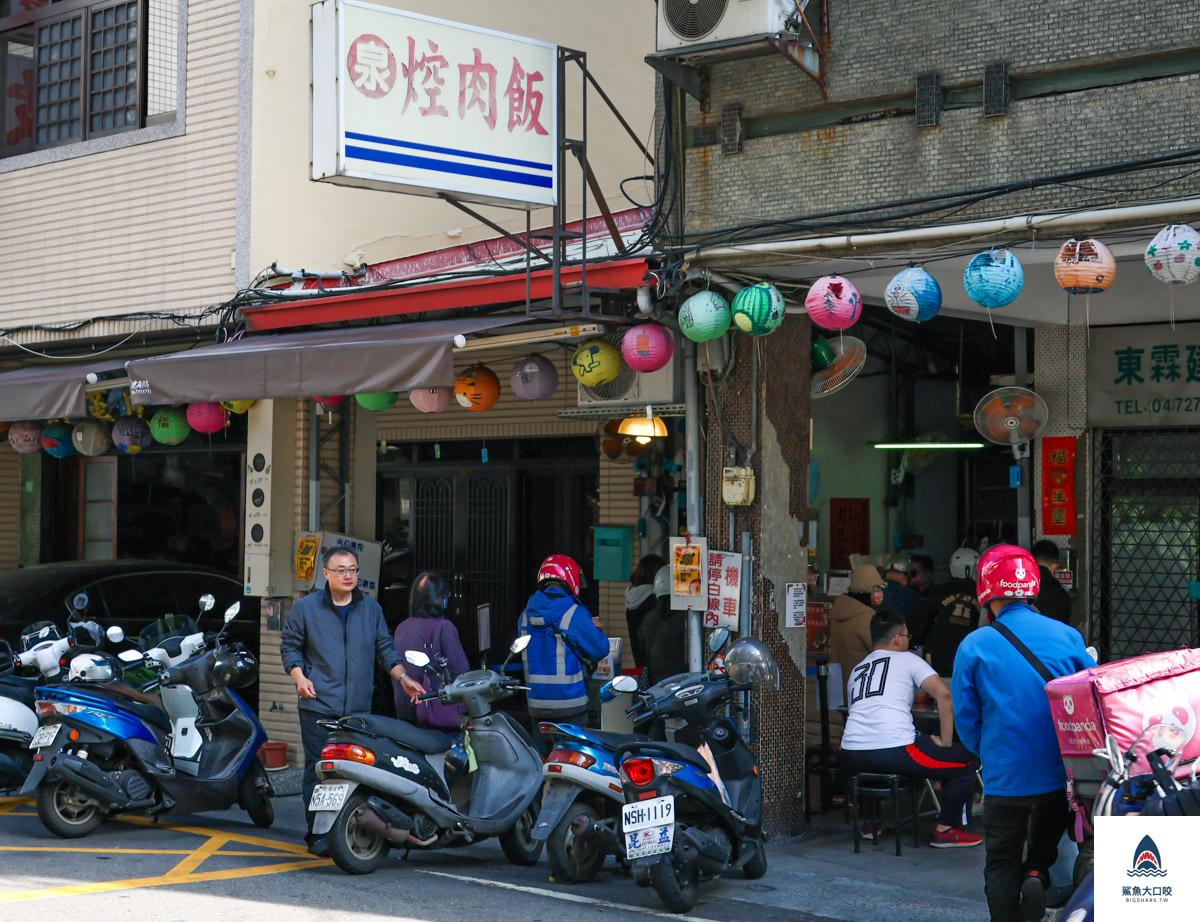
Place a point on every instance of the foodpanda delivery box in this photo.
(1124, 698)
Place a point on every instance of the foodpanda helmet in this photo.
(234, 668)
(1007, 572)
(662, 582)
(749, 662)
(963, 563)
(561, 570)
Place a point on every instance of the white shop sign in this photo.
(409, 103)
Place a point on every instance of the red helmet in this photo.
(561, 568)
(1007, 572)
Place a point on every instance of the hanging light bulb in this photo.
(643, 428)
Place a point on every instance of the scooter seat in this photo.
(418, 738)
(147, 707)
(611, 739)
(19, 689)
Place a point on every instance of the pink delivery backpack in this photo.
(1124, 698)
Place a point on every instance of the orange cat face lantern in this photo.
(477, 389)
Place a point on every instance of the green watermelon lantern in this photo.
(376, 401)
(758, 310)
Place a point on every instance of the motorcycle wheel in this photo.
(354, 848)
(65, 811)
(676, 882)
(518, 843)
(756, 867)
(573, 860)
(254, 796)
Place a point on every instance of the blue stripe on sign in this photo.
(447, 166)
(429, 148)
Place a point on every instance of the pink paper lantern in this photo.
(833, 303)
(647, 347)
(431, 399)
(26, 437)
(331, 401)
(207, 417)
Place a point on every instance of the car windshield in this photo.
(171, 626)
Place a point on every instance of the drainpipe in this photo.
(314, 466)
(695, 512)
(1021, 379)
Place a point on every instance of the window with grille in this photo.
(71, 70)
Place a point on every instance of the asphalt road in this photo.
(219, 866)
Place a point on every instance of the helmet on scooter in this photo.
(561, 570)
(1007, 572)
(662, 582)
(749, 662)
(963, 563)
(39, 632)
(458, 762)
(91, 667)
(234, 668)
(429, 596)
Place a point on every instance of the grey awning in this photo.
(49, 391)
(397, 357)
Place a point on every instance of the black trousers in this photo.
(954, 766)
(1019, 838)
(312, 739)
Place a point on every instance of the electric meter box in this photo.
(310, 549)
(737, 486)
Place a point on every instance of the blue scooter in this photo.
(694, 809)
(105, 748)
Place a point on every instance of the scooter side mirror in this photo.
(519, 645)
(417, 658)
(115, 634)
(232, 611)
(80, 602)
(130, 656)
(624, 684)
(207, 601)
(719, 638)
(1093, 653)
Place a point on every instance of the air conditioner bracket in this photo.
(692, 80)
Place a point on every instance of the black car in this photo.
(129, 593)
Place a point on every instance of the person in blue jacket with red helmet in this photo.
(1003, 715)
(565, 644)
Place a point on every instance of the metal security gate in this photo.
(1145, 540)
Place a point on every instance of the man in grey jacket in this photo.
(330, 645)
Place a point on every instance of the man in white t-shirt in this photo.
(880, 735)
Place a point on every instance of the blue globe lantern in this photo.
(913, 294)
(994, 278)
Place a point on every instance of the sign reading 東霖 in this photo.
(1144, 376)
(409, 103)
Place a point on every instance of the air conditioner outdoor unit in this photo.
(634, 390)
(686, 25)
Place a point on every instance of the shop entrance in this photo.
(1145, 540)
(485, 526)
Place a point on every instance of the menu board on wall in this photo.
(849, 530)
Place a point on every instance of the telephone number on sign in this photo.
(1158, 405)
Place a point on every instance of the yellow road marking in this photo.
(291, 847)
(138, 851)
(11, 805)
(198, 857)
(15, 896)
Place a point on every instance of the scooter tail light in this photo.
(51, 708)
(349, 752)
(570, 757)
(638, 771)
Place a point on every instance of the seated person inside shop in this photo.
(880, 735)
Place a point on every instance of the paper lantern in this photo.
(379, 400)
(477, 389)
(833, 303)
(596, 362)
(56, 440)
(913, 294)
(90, 438)
(169, 426)
(207, 417)
(704, 317)
(534, 378)
(331, 401)
(4, 427)
(758, 310)
(26, 437)
(131, 434)
(647, 347)
(431, 399)
(1173, 256)
(1085, 267)
(994, 278)
(237, 407)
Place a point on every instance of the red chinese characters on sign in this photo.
(425, 72)
(479, 80)
(724, 578)
(849, 530)
(372, 66)
(1058, 485)
(524, 102)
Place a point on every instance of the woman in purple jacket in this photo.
(427, 629)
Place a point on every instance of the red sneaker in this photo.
(954, 838)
